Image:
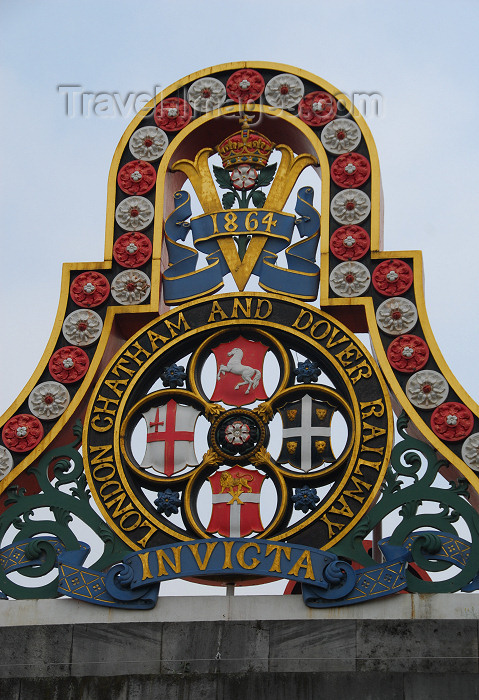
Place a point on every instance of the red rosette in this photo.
(408, 353)
(132, 249)
(350, 242)
(350, 170)
(22, 432)
(89, 289)
(452, 421)
(137, 177)
(392, 278)
(173, 114)
(245, 85)
(317, 108)
(68, 364)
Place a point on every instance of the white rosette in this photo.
(470, 451)
(350, 206)
(82, 327)
(130, 287)
(350, 279)
(206, 94)
(6, 461)
(48, 400)
(396, 316)
(341, 136)
(427, 389)
(148, 143)
(134, 213)
(284, 91)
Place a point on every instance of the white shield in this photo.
(170, 434)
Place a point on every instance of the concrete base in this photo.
(258, 647)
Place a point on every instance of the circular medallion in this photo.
(132, 249)
(427, 389)
(470, 451)
(317, 108)
(349, 243)
(148, 143)
(350, 170)
(341, 136)
(235, 423)
(452, 421)
(134, 213)
(392, 278)
(349, 279)
(350, 206)
(137, 177)
(90, 289)
(82, 327)
(173, 114)
(206, 94)
(284, 91)
(237, 434)
(22, 432)
(6, 461)
(68, 364)
(408, 353)
(130, 287)
(48, 400)
(245, 85)
(396, 316)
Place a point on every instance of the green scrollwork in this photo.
(429, 516)
(29, 514)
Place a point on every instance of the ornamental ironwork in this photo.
(241, 431)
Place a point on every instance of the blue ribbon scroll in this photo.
(182, 281)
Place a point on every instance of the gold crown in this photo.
(245, 147)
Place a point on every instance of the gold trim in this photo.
(255, 325)
(216, 337)
(190, 398)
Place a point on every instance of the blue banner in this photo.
(326, 581)
(182, 281)
(134, 583)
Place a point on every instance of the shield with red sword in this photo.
(236, 498)
(239, 375)
(169, 438)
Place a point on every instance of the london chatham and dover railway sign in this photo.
(246, 435)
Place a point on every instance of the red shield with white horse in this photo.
(239, 372)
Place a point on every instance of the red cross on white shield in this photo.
(169, 439)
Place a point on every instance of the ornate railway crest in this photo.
(246, 434)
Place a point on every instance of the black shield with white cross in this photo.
(306, 434)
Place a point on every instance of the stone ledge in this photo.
(457, 606)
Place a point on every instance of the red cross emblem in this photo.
(236, 498)
(169, 439)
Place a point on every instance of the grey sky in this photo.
(421, 57)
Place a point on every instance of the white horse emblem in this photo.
(249, 375)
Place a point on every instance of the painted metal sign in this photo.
(245, 435)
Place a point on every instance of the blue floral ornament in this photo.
(305, 499)
(173, 376)
(168, 502)
(307, 372)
